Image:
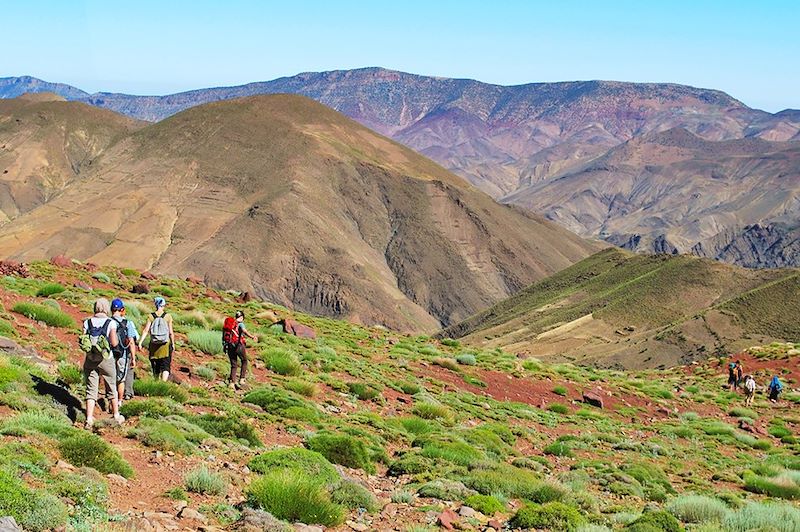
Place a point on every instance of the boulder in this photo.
(149, 276)
(245, 297)
(12, 267)
(189, 513)
(751, 428)
(62, 261)
(194, 280)
(298, 329)
(9, 524)
(466, 511)
(140, 288)
(81, 285)
(447, 519)
(593, 398)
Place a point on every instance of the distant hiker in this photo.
(775, 388)
(234, 345)
(162, 340)
(739, 373)
(98, 340)
(732, 376)
(749, 390)
(125, 352)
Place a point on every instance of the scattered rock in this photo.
(447, 519)
(593, 398)
(149, 276)
(140, 288)
(360, 527)
(180, 505)
(9, 524)
(751, 428)
(494, 523)
(62, 261)
(245, 297)
(12, 267)
(117, 479)
(65, 466)
(189, 513)
(81, 285)
(298, 329)
(194, 280)
(301, 527)
(466, 511)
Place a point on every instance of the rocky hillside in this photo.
(617, 309)
(286, 199)
(362, 429)
(517, 143)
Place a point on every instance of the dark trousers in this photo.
(236, 353)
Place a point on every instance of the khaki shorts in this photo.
(94, 371)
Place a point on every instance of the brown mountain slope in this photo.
(619, 309)
(676, 192)
(285, 197)
(46, 143)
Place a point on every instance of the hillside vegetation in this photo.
(617, 308)
(366, 429)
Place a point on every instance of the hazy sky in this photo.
(749, 49)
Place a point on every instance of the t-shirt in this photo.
(132, 333)
(98, 320)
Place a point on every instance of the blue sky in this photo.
(749, 49)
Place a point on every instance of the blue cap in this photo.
(159, 302)
(117, 304)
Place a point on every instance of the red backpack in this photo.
(230, 331)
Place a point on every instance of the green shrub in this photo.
(655, 521)
(560, 390)
(410, 388)
(467, 359)
(558, 408)
(102, 277)
(50, 289)
(431, 411)
(151, 407)
(342, 449)
(304, 388)
(743, 412)
(558, 448)
(228, 427)
(772, 517)
(85, 449)
(204, 372)
(402, 497)
(70, 374)
(410, 464)
(416, 425)
(774, 487)
(655, 483)
(752, 441)
(165, 291)
(457, 452)
(364, 392)
(7, 330)
(87, 489)
(485, 504)
(553, 516)
(172, 433)
(48, 315)
(698, 509)
(515, 483)
(203, 481)
(778, 431)
(281, 402)
(353, 495)
(447, 363)
(310, 463)
(445, 490)
(282, 361)
(159, 388)
(34, 422)
(209, 342)
(34, 510)
(449, 342)
(292, 496)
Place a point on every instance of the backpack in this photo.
(776, 385)
(159, 329)
(230, 332)
(94, 341)
(122, 335)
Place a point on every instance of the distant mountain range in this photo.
(277, 195)
(588, 154)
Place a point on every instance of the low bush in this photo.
(457, 452)
(655, 521)
(410, 464)
(558, 448)
(743, 412)
(83, 449)
(159, 388)
(228, 427)
(43, 313)
(293, 496)
(206, 373)
(558, 408)
(70, 374)
(7, 330)
(304, 388)
(282, 361)
(50, 289)
(416, 425)
(402, 497)
(553, 516)
(467, 359)
(353, 495)
(449, 342)
(205, 482)
(151, 407)
(560, 390)
(445, 490)
(485, 504)
(364, 392)
(102, 277)
(34, 510)
(698, 509)
(193, 319)
(209, 342)
(342, 449)
(32, 422)
(310, 463)
(283, 403)
(172, 433)
(447, 363)
(410, 388)
(774, 487)
(774, 517)
(431, 411)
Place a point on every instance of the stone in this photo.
(751, 428)
(117, 479)
(494, 523)
(593, 398)
(290, 326)
(62, 261)
(245, 297)
(194, 280)
(466, 511)
(81, 285)
(65, 466)
(149, 276)
(9, 524)
(360, 527)
(140, 288)
(302, 527)
(189, 513)
(447, 519)
(180, 505)
(12, 267)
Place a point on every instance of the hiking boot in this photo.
(120, 419)
(242, 382)
(89, 423)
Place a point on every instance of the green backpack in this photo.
(94, 341)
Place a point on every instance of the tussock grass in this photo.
(292, 496)
(205, 482)
(46, 314)
(209, 342)
(50, 289)
(85, 449)
(282, 361)
(551, 516)
(698, 509)
(310, 463)
(304, 388)
(154, 407)
(159, 388)
(342, 449)
(431, 411)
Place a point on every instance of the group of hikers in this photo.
(111, 342)
(737, 378)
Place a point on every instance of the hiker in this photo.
(97, 341)
(749, 390)
(162, 340)
(775, 388)
(739, 373)
(125, 352)
(234, 345)
(732, 376)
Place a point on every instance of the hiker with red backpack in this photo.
(234, 345)
(98, 340)
(162, 340)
